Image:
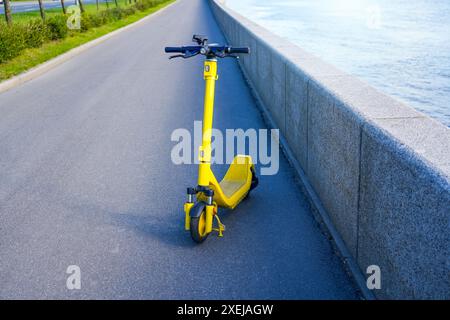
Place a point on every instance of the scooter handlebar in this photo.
(238, 50)
(210, 51)
(174, 49)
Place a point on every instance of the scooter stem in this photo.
(210, 76)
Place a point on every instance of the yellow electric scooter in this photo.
(240, 178)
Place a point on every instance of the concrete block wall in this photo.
(380, 168)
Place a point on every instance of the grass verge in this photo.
(30, 58)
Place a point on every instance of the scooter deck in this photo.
(235, 184)
(231, 187)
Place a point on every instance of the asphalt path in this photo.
(86, 179)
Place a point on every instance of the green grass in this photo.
(33, 57)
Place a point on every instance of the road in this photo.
(26, 6)
(87, 179)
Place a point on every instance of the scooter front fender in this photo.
(197, 209)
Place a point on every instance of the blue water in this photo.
(401, 47)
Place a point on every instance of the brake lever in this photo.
(190, 55)
(220, 54)
(185, 56)
(177, 56)
(225, 55)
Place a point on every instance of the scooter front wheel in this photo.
(198, 224)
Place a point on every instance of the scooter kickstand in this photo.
(221, 227)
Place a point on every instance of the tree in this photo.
(81, 6)
(41, 9)
(63, 6)
(8, 17)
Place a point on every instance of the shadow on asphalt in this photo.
(168, 229)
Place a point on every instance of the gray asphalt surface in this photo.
(86, 179)
(27, 6)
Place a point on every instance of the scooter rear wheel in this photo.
(254, 183)
(198, 227)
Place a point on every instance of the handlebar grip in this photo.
(239, 50)
(174, 50)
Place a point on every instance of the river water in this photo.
(401, 47)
